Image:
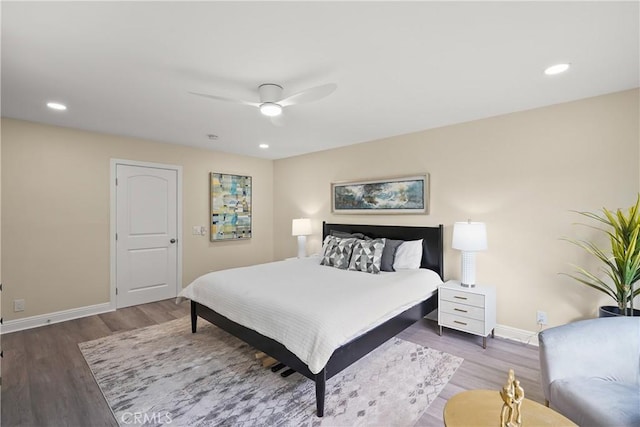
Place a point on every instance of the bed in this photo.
(340, 343)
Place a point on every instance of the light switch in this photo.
(199, 230)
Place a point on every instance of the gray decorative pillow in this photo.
(344, 235)
(338, 254)
(327, 243)
(367, 256)
(389, 254)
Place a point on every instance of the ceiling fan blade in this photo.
(222, 98)
(278, 120)
(309, 95)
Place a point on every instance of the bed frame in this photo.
(432, 258)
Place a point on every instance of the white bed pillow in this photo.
(408, 255)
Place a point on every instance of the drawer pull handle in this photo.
(459, 309)
(462, 323)
(456, 296)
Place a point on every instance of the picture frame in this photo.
(397, 195)
(230, 207)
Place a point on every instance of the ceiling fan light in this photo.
(270, 109)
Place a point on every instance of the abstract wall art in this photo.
(230, 207)
(401, 195)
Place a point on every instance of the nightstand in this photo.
(471, 310)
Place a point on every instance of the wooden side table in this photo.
(482, 408)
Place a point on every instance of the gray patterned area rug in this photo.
(165, 375)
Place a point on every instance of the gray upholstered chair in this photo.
(591, 371)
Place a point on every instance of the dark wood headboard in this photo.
(432, 239)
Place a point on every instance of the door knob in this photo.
(172, 241)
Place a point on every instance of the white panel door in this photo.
(146, 234)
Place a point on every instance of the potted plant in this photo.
(620, 263)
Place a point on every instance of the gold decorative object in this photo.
(512, 395)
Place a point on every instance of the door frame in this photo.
(112, 229)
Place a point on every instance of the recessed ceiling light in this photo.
(56, 106)
(264, 146)
(556, 69)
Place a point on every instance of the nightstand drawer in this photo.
(462, 310)
(462, 323)
(462, 297)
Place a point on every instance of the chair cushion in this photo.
(592, 402)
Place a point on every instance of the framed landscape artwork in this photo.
(401, 195)
(230, 207)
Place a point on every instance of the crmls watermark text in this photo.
(141, 418)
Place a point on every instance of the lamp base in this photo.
(468, 269)
(302, 246)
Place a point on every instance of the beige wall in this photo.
(55, 213)
(520, 173)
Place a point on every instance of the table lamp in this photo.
(301, 227)
(469, 237)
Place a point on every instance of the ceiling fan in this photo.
(271, 101)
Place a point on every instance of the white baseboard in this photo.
(50, 318)
(520, 335)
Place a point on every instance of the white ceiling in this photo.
(125, 67)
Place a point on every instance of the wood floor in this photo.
(46, 382)
(481, 369)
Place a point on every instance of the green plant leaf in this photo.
(621, 261)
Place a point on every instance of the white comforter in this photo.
(309, 308)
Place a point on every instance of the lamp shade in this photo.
(469, 236)
(301, 227)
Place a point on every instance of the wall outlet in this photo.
(541, 317)
(18, 305)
